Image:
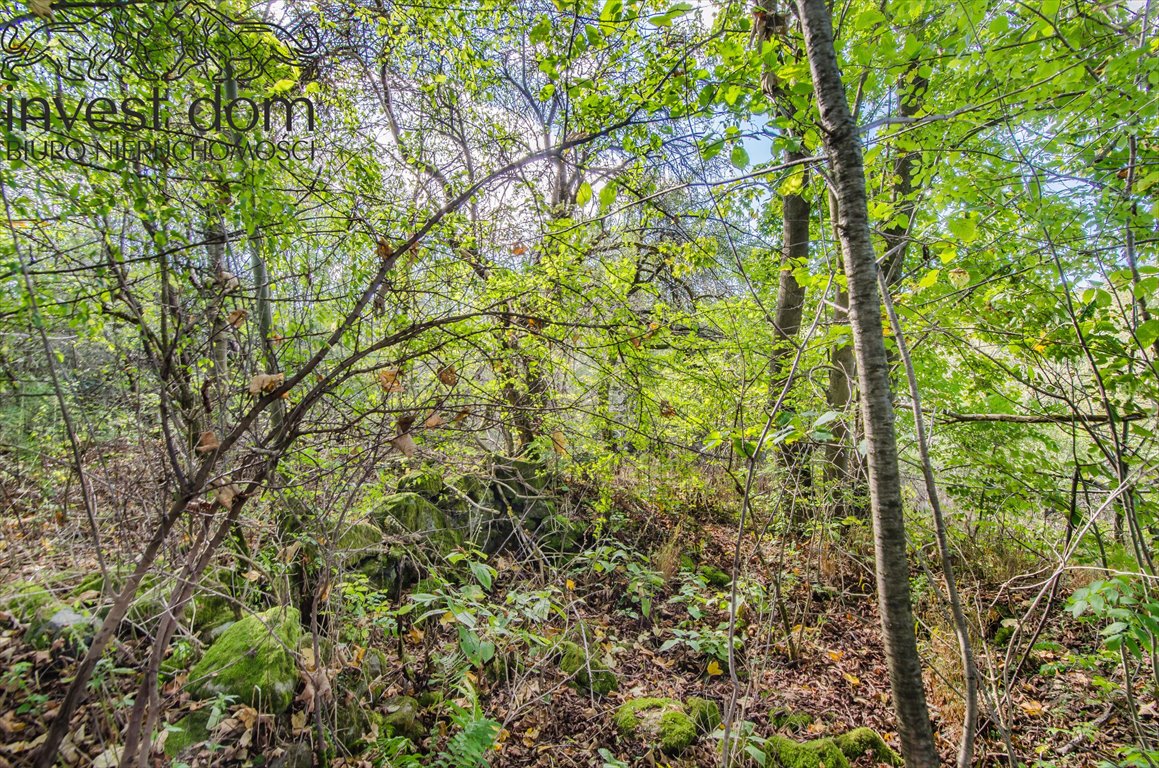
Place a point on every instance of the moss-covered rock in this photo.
(588, 673)
(658, 722)
(860, 741)
(401, 718)
(55, 620)
(838, 752)
(417, 515)
(704, 712)
(426, 482)
(785, 719)
(189, 731)
(559, 533)
(359, 541)
(354, 724)
(819, 753)
(23, 599)
(253, 660)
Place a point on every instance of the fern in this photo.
(469, 747)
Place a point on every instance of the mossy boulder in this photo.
(189, 731)
(704, 712)
(785, 719)
(253, 660)
(860, 741)
(521, 484)
(55, 620)
(588, 673)
(414, 514)
(819, 753)
(425, 482)
(838, 752)
(658, 722)
(359, 541)
(559, 533)
(401, 718)
(469, 501)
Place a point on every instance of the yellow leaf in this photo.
(853, 679)
(714, 668)
(415, 635)
(570, 584)
(447, 618)
(251, 575)
(298, 721)
(1032, 708)
(836, 655)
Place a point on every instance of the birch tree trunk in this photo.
(848, 178)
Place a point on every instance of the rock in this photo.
(426, 482)
(860, 741)
(559, 533)
(414, 514)
(187, 732)
(521, 484)
(469, 501)
(819, 753)
(588, 673)
(837, 752)
(253, 661)
(704, 712)
(56, 620)
(658, 722)
(401, 718)
(785, 719)
(355, 723)
(358, 542)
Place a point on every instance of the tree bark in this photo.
(848, 178)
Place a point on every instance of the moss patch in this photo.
(715, 577)
(785, 719)
(588, 673)
(860, 741)
(704, 712)
(425, 482)
(417, 515)
(24, 599)
(820, 753)
(830, 753)
(401, 718)
(253, 661)
(657, 721)
(186, 732)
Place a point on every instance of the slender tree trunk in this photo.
(797, 211)
(844, 469)
(848, 178)
(911, 88)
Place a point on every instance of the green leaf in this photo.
(965, 230)
(1147, 332)
(583, 194)
(739, 157)
(608, 195)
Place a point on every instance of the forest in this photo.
(579, 383)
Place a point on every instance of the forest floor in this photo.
(664, 639)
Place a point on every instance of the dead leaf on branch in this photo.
(224, 495)
(434, 421)
(559, 442)
(384, 249)
(228, 281)
(208, 442)
(237, 317)
(266, 382)
(390, 380)
(405, 445)
(448, 375)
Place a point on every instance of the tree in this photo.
(892, 565)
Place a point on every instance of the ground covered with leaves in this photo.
(610, 650)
